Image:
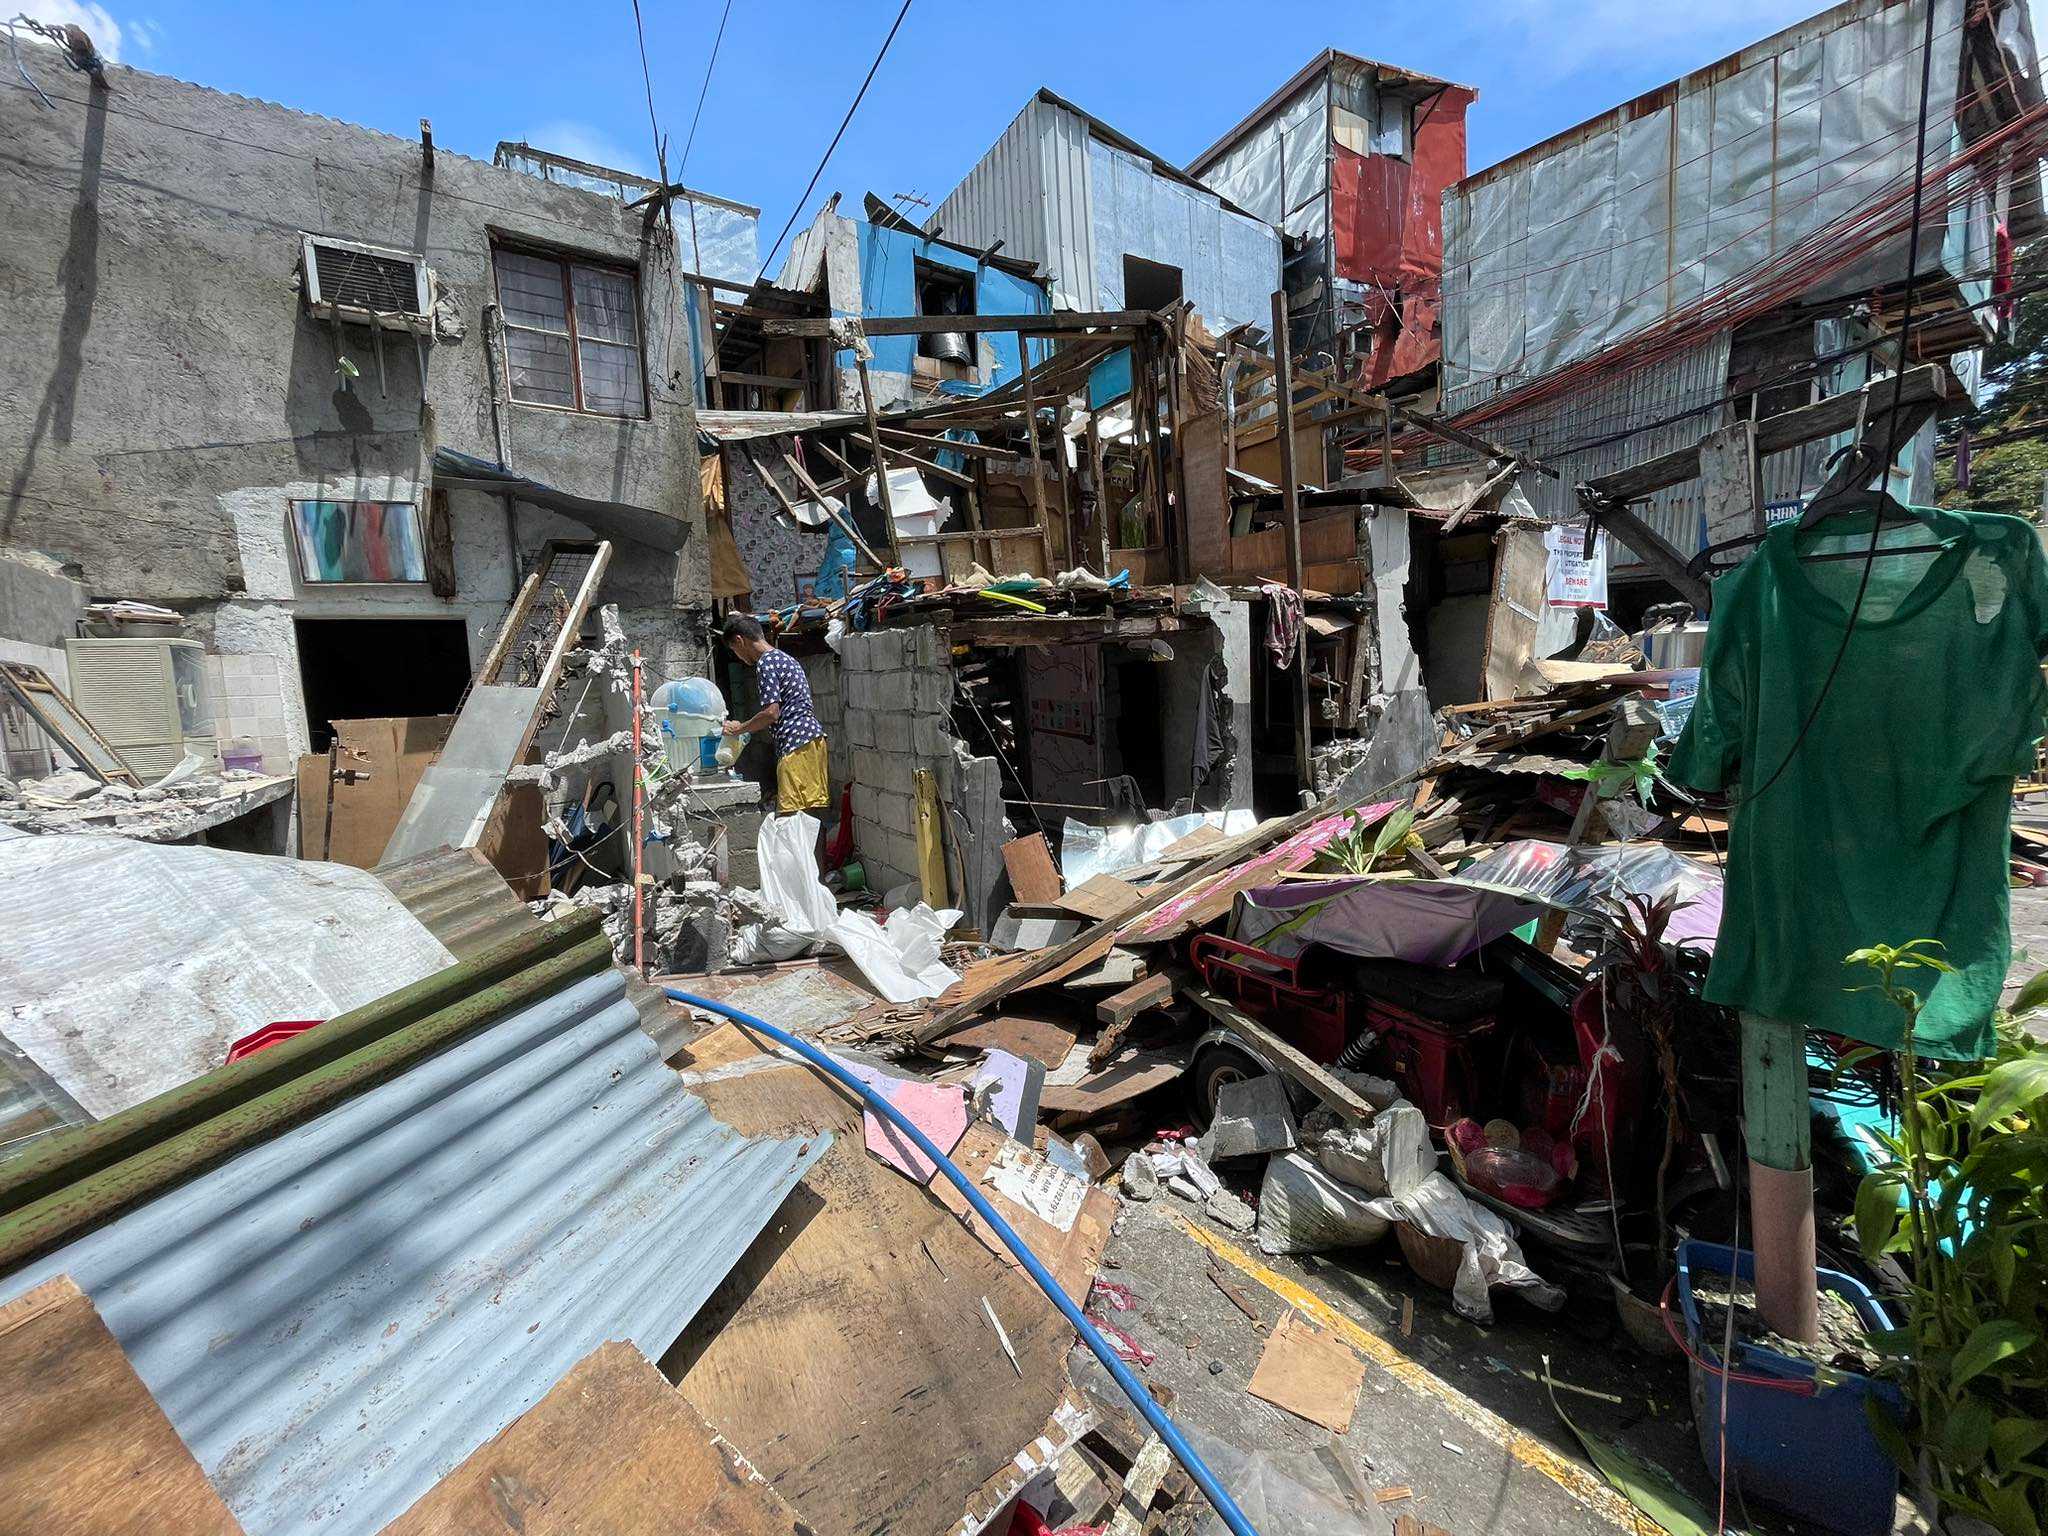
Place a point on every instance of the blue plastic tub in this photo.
(1808, 1450)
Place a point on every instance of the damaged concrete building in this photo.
(326, 394)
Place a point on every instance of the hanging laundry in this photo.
(1888, 820)
(1283, 622)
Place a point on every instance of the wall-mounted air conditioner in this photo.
(367, 284)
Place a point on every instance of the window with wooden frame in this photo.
(572, 332)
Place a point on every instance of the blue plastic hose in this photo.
(1133, 1388)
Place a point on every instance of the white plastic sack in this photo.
(1303, 1210)
(1423, 1197)
(900, 959)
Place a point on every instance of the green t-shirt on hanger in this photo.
(1893, 820)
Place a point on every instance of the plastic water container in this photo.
(693, 722)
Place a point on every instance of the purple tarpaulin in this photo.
(1433, 922)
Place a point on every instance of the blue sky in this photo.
(1173, 74)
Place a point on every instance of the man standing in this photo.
(801, 772)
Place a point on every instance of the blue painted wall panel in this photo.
(888, 286)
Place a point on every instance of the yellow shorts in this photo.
(803, 779)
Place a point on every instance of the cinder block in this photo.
(889, 649)
(931, 740)
(893, 733)
(932, 691)
(858, 729)
(897, 812)
(857, 690)
(894, 773)
(928, 650)
(893, 692)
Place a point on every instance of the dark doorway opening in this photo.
(1150, 284)
(1137, 705)
(370, 669)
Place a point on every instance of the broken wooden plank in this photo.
(1119, 1008)
(1147, 1473)
(1099, 1092)
(1021, 1034)
(1097, 897)
(89, 1452)
(1774, 434)
(612, 1448)
(1318, 1079)
(1033, 875)
(1257, 840)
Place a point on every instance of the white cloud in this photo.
(1566, 36)
(100, 26)
(149, 32)
(582, 141)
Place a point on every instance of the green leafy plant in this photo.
(1609, 778)
(1365, 845)
(1961, 1195)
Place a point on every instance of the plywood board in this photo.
(847, 1355)
(1073, 1256)
(1033, 876)
(88, 1451)
(387, 756)
(1100, 896)
(613, 1448)
(1310, 1373)
(1021, 1034)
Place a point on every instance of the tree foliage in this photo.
(2007, 476)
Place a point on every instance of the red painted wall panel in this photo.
(1388, 218)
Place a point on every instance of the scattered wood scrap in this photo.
(1021, 1034)
(612, 1448)
(1318, 1079)
(89, 1452)
(1311, 1373)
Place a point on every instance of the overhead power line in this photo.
(812, 185)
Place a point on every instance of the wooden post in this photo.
(1072, 541)
(1290, 490)
(1031, 437)
(867, 400)
(1102, 511)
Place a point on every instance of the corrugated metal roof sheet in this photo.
(335, 1319)
(459, 898)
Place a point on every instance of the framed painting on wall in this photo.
(359, 541)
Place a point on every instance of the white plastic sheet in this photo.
(1303, 1210)
(900, 958)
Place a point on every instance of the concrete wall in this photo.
(164, 396)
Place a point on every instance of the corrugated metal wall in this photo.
(1599, 415)
(1033, 192)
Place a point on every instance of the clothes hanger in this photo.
(1855, 495)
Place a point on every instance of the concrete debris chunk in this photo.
(1252, 1117)
(1140, 1178)
(1227, 1210)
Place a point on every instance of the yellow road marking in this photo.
(1574, 1479)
